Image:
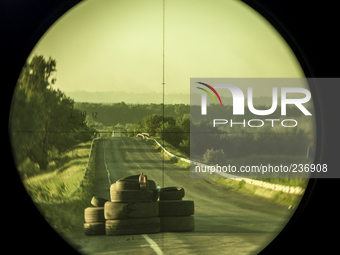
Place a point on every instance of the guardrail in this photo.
(276, 187)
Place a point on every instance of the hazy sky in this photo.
(116, 45)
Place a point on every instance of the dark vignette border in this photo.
(300, 24)
(309, 29)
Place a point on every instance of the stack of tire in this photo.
(94, 217)
(131, 209)
(176, 215)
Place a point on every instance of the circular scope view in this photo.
(172, 126)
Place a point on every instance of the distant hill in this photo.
(147, 98)
(128, 98)
(157, 98)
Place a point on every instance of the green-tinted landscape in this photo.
(51, 138)
(45, 123)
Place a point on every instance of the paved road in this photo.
(226, 221)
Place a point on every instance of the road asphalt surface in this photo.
(226, 221)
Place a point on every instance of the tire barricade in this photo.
(94, 221)
(132, 210)
(176, 215)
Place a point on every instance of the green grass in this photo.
(276, 196)
(242, 186)
(246, 161)
(273, 160)
(168, 147)
(68, 174)
(57, 183)
(172, 150)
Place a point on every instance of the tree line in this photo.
(43, 121)
(122, 113)
(202, 140)
(205, 139)
(226, 112)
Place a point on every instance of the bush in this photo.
(184, 146)
(290, 142)
(172, 134)
(214, 157)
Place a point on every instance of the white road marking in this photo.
(148, 174)
(150, 152)
(108, 173)
(153, 245)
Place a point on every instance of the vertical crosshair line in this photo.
(163, 87)
(163, 83)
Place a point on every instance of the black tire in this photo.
(155, 195)
(171, 193)
(98, 201)
(133, 185)
(94, 214)
(176, 208)
(177, 223)
(127, 185)
(117, 210)
(132, 226)
(131, 177)
(131, 195)
(152, 185)
(95, 228)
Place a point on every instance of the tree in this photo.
(184, 146)
(39, 116)
(172, 134)
(31, 107)
(151, 123)
(212, 156)
(184, 123)
(170, 120)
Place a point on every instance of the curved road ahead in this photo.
(226, 221)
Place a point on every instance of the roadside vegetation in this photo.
(59, 179)
(54, 186)
(43, 123)
(170, 148)
(242, 186)
(274, 148)
(276, 196)
(244, 149)
(50, 142)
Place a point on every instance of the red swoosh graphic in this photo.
(213, 90)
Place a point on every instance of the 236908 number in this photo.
(309, 168)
